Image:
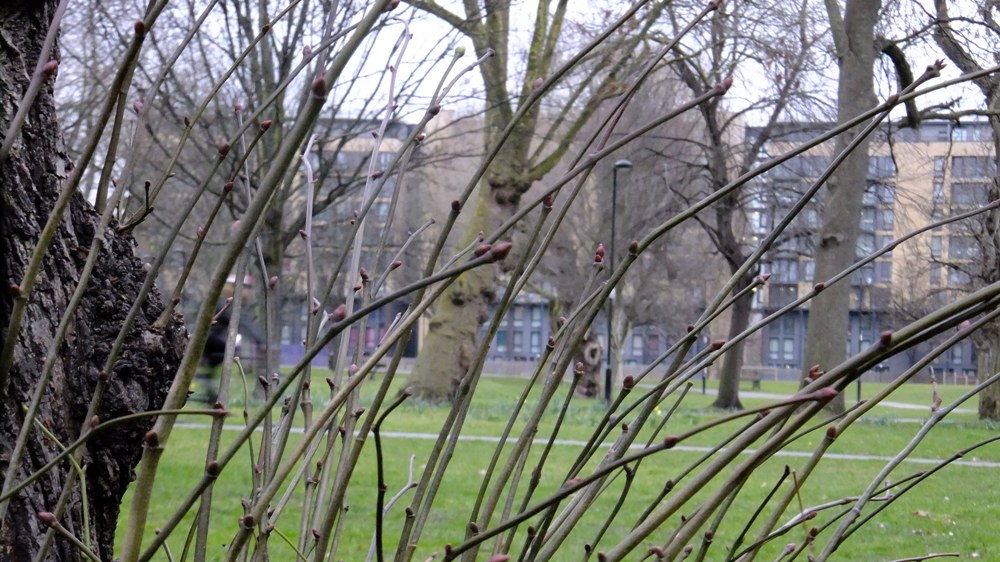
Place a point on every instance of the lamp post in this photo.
(619, 165)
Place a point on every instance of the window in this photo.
(536, 342)
(384, 159)
(518, 315)
(774, 349)
(809, 270)
(382, 210)
(935, 274)
(868, 219)
(785, 270)
(881, 167)
(518, 341)
(937, 195)
(763, 221)
(864, 276)
(501, 341)
(956, 354)
(972, 167)
(788, 346)
(879, 193)
(969, 194)
(935, 246)
(536, 316)
(962, 247)
(958, 277)
(637, 345)
(866, 244)
(939, 166)
(883, 271)
(885, 219)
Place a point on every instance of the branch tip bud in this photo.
(500, 251)
(319, 87)
(885, 339)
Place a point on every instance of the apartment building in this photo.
(342, 161)
(915, 177)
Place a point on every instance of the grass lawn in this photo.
(952, 511)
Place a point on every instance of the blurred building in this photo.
(342, 162)
(914, 177)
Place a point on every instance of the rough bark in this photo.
(828, 313)
(29, 183)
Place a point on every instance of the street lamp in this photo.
(619, 165)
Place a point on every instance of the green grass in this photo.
(948, 513)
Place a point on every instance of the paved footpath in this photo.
(690, 448)
(882, 404)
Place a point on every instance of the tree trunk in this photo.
(732, 362)
(987, 364)
(591, 354)
(30, 181)
(829, 311)
(451, 343)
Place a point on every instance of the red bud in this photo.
(51, 67)
(48, 518)
(500, 251)
(339, 314)
(825, 393)
(885, 340)
(319, 87)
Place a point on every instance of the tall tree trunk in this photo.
(30, 181)
(988, 342)
(450, 346)
(732, 362)
(829, 311)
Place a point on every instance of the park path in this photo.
(882, 404)
(689, 448)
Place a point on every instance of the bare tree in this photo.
(853, 33)
(538, 141)
(778, 40)
(969, 44)
(72, 283)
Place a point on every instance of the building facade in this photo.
(915, 177)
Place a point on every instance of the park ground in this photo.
(953, 511)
